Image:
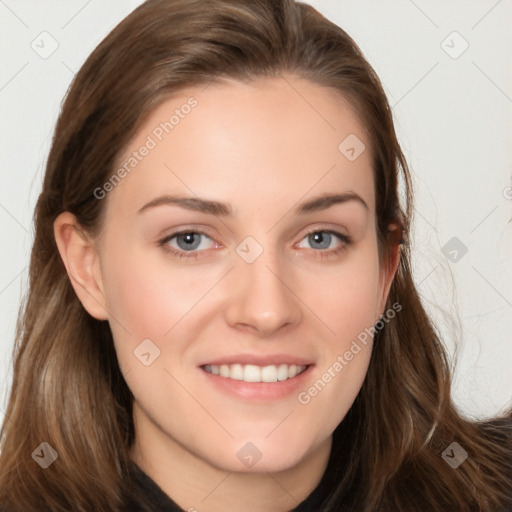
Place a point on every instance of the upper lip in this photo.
(258, 360)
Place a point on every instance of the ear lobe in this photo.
(82, 264)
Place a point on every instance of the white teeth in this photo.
(269, 374)
(253, 373)
(282, 372)
(237, 372)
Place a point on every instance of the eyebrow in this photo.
(224, 210)
(327, 200)
(190, 203)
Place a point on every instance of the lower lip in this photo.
(258, 391)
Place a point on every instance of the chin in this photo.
(259, 456)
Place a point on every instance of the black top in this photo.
(148, 497)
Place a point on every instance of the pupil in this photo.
(188, 241)
(320, 240)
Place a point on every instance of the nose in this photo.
(261, 298)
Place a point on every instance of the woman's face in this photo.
(238, 247)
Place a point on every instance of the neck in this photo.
(195, 484)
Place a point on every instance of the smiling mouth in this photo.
(254, 373)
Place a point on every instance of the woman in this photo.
(221, 313)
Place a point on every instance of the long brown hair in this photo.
(68, 390)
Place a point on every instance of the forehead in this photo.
(280, 138)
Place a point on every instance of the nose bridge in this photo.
(262, 298)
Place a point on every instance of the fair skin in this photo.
(263, 151)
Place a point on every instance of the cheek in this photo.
(345, 297)
(148, 295)
(150, 299)
(346, 300)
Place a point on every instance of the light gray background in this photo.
(453, 116)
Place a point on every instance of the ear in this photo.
(82, 264)
(390, 265)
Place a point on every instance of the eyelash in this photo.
(325, 253)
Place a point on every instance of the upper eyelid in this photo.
(169, 237)
(202, 231)
(326, 229)
(198, 231)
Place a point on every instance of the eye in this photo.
(187, 242)
(323, 240)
